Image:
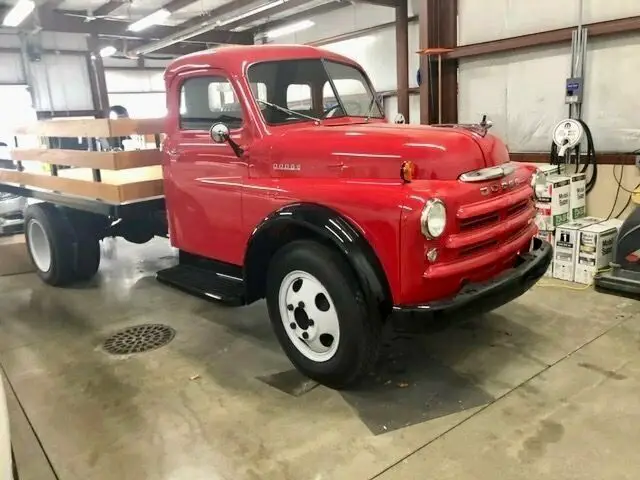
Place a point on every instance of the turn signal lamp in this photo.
(408, 171)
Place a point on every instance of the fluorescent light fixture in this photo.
(291, 28)
(153, 19)
(107, 51)
(255, 11)
(18, 13)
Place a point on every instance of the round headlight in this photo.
(433, 219)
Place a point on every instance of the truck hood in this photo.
(377, 150)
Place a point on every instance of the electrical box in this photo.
(573, 94)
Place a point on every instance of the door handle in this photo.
(173, 155)
(341, 166)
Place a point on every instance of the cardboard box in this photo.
(553, 205)
(595, 249)
(14, 257)
(578, 196)
(565, 248)
(549, 237)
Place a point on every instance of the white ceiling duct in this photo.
(210, 24)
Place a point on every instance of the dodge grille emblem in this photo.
(503, 186)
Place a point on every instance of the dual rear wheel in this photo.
(62, 252)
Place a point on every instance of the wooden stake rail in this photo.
(114, 177)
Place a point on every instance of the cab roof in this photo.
(235, 59)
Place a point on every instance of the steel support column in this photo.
(438, 29)
(402, 57)
(97, 78)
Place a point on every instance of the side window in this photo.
(259, 91)
(328, 97)
(299, 97)
(208, 100)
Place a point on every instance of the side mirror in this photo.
(219, 133)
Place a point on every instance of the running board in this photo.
(205, 283)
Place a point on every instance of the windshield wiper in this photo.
(371, 105)
(291, 112)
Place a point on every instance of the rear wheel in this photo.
(319, 314)
(60, 253)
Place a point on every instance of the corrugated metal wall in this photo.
(61, 83)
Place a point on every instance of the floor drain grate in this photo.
(138, 339)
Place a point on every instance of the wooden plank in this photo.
(83, 158)
(92, 127)
(116, 186)
(81, 188)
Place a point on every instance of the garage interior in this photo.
(545, 385)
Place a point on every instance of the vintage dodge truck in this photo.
(283, 180)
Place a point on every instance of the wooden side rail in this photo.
(112, 176)
(98, 160)
(95, 128)
(115, 187)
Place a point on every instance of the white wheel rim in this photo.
(309, 316)
(39, 246)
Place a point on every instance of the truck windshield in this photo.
(314, 88)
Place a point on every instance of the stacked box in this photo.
(547, 236)
(595, 249)
(553, 202)
(565, 247)
(578, 196)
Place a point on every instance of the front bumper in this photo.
(485, 296)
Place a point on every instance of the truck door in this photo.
(204, 180)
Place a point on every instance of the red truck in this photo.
(284, 181)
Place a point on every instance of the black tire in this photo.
(75, 249)
(61, 239)
(88, 257)
(360, 328)
(87, 229)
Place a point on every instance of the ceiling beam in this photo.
(264, 14)
(312, 12)
(109, 7)
(57, 22)
(214, 14)
(383, 3)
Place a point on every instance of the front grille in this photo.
(477, 248)
(487, 224)
(479, 221)
(518, 207)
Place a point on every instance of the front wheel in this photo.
(319, 314)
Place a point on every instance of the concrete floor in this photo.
(546, 386)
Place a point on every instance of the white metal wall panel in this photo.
(9, 40)
(611, 93)
(64, 41)
(133, 81)
(601, 10)
(523, 93)
(482, 21)
(61, 82)
(11, 69)
(345, 20)
(375, 51)
(391, 108)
